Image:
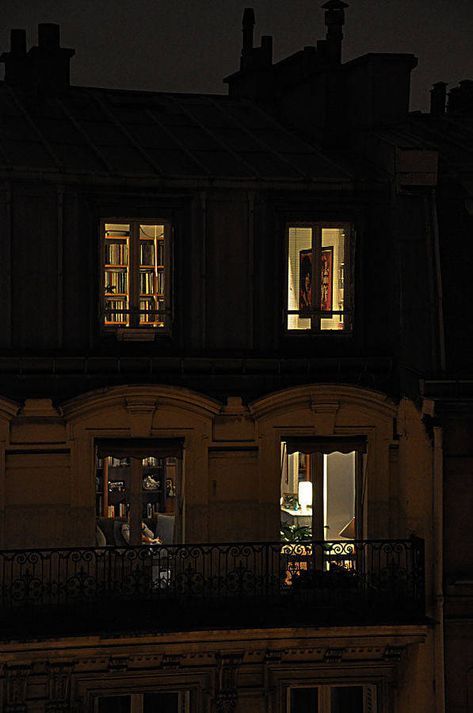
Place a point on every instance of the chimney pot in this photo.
(334, 21)
(248, 25)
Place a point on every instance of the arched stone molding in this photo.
(318, 396)
(332, 410)
(141, 411)
(8, 411)
(171, 397)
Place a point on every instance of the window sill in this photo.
(137, 335)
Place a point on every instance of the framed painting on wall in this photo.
(305, 282)
(326, 279)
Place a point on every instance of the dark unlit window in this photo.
(136, 275)
(333, 699)
(149, 702)
(319, 284)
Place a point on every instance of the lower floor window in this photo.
(332, 699)
(150, 702)
(138, 491)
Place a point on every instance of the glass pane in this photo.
(347, 699)
(339, 496)
(116, 274)
(304, 700)
(113, 481)
(299, 272)
(114, 704)
(332, 277)
(161, 702)
(296, 496)
(151, 275)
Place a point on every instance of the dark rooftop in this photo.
(131, 134)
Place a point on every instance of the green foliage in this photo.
(295, 533)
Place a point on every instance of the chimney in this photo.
(438, 99)
(334, 20)
(248, 28)
(16, 60)
(49, 61)
(460, 99)
(44, 67)
(254, 78)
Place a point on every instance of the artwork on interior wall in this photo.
(326, 279)
(305, 282)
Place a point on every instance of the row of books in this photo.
(151, 283)
(119, 510)
(116, 282)
(148, 253)
(114, 311)
(116, 253)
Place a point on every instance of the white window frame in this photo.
(316, 313)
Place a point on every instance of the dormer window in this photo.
(319, 284)
(136, 275)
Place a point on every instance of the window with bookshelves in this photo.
(138, 483)
(337, 698)
(136, 275)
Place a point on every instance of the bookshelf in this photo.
(114, 486)
(135, 280)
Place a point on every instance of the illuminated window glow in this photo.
(318, 278)
(135, 275)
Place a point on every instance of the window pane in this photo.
(152, 275)
(161, 702)
(299, 270)
(347, 699)
(332, 277)
(339, 495)
(114, 704)
(304, 700)
(116, 274)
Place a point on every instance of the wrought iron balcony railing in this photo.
(210, 585)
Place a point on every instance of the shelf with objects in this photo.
(135, 275)
(137, 491)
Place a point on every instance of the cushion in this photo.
(100, 539)
(165, 528)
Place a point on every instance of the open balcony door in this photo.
(322, 487)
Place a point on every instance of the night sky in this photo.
(190, 45)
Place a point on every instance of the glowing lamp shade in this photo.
(305, 494)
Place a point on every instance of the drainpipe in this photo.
(437, 571)
(438, 280)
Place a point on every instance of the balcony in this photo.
(183, 587)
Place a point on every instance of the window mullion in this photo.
(134, 276)
(325, 700)
(316, 254)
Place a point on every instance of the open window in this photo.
(322, 488)
(136, 275)
(319, 277)
(332, 699)
(138, 491)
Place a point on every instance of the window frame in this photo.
(324, 694)
(318, 446)
(349, 262)
(136, 330)
(137, 697)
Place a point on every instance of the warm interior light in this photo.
(305, 494)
